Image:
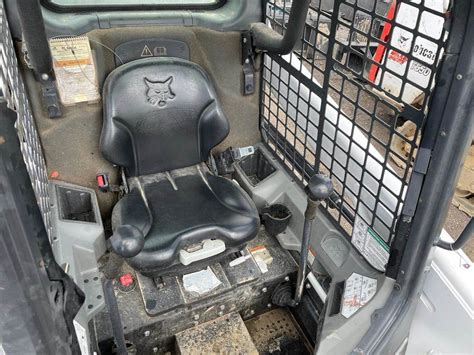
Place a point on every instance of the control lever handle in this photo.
(318, 189)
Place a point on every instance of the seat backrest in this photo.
(160, 114)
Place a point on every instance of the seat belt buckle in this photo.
(103, 182)
(239, 153)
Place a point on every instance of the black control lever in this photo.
(318, 189)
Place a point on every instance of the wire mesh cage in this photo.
(351, 101)
(13, 90)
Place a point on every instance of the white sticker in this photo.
(201, 282)
(370, 244)
(358, 291)
(75, 70)
(81, 338)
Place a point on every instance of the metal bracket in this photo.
(248, 64)
(49, 96)
(422, 162)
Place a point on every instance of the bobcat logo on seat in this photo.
(159, 92)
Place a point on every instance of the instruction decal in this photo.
(358, 291)
(370, 244)
(75, 70)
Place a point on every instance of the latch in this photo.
(248, 64)
(104, 185)
(224, 160)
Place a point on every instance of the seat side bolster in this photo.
(213, 128)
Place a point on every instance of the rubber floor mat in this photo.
(224, 335)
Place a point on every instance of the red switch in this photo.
(126, 280)
(103, 182)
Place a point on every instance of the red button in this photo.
(100, 180)
(126, 280)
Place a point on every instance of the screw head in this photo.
(443, 134)
(251, 312)
(147, 333)
(222, 307)
(287, 278)
(459, 77)
(269, 305)
(155, 349)
(308, 286)
(264, 290)
(220, 313)
(244, 40)
(44, 76)
(196, 317)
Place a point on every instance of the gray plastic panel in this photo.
(78, 242)
(334, 254)
(234, 15)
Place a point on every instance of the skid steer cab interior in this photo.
(226, 176)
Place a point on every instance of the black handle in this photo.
(319, 187)
(266, 39)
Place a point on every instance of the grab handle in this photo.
(266, 39)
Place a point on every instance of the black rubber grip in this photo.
(266, 39)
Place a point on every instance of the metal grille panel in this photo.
(14, 92)
(351, 100)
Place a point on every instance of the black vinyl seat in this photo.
(161, 119)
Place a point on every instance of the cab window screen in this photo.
(351, 102)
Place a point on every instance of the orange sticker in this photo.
(72, 62)
(257, 248)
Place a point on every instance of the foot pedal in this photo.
(224, 335)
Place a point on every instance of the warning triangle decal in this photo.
(146, 52)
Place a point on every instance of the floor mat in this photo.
(225, 335)
(274, 332)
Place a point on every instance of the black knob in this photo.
(319, 187)
(127, 241)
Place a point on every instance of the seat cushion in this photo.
(204, 206)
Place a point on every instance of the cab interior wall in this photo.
(71, 143)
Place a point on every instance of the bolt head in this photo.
(244, 40)
(44, 76)
(459, 77)
(155, 349)
(264, 290)
(147, 333)
(222, 307)
(308, 286)
(220, 313)
(287, 278)
(269, 305)
(196, 317)
(251, 312)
